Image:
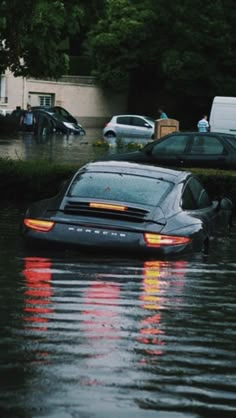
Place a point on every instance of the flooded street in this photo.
(99, 337)
(70, 149)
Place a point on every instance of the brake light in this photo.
(39, 225)
(157, 240)
(107, 206)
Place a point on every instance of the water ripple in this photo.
(99, 338)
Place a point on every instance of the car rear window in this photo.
(120, 187)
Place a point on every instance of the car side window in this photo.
(195, 196)
(188, 202)
(231, 139)
(199, 193)
(171, 145)
(208, 145)
(138, 122)
(123, 120)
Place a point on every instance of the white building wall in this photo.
(88, 102)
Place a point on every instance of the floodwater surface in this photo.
(84, 336)
(72, 149)
(55, 148)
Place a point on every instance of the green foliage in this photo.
(183, 47)
(34, 35)
(186, 46)
(31, 180)
(28, 181)
(117, 42)
(101, 143)
(133, 146)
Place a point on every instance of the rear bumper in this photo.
(101, 239)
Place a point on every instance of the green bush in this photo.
(27, 181)
(24, 181)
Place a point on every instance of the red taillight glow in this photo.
(39, 225)
(107, 206)
(157, 240)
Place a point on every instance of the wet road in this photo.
(89, 337)
(55, 148)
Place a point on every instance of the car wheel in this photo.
(110, 134)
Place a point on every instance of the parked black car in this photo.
(51, 120)
(61, 111)
(186, 149)
(122, 207)
(58, 122)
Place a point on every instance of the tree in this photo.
(34, 35)
(118, 42)
(184, 46)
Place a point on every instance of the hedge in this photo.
(27, 181)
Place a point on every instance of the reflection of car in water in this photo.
(121, 206)
(52, 120)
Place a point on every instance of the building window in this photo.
(3, 97)
(45, 101)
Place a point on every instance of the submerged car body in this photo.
(124, 207)
(57, 122)
(61, 111)
(51, 120)
(186, 149)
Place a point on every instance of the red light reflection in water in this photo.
(101, 323)
(154, 285)
(100, 317)
(38, 292)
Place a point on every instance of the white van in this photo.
(223, 115)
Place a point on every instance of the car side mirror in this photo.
(148, 149)
(225, 204)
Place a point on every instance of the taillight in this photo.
(157, 240)
(97, 205)
(39, 225)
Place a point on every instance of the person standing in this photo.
(203, 125)
(28, 120)
(162, 114)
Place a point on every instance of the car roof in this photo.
(43, 108)
(211, 133)
(167, 174)
(129, 115)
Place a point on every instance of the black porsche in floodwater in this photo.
(121, 207)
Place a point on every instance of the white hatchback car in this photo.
(129, 126)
